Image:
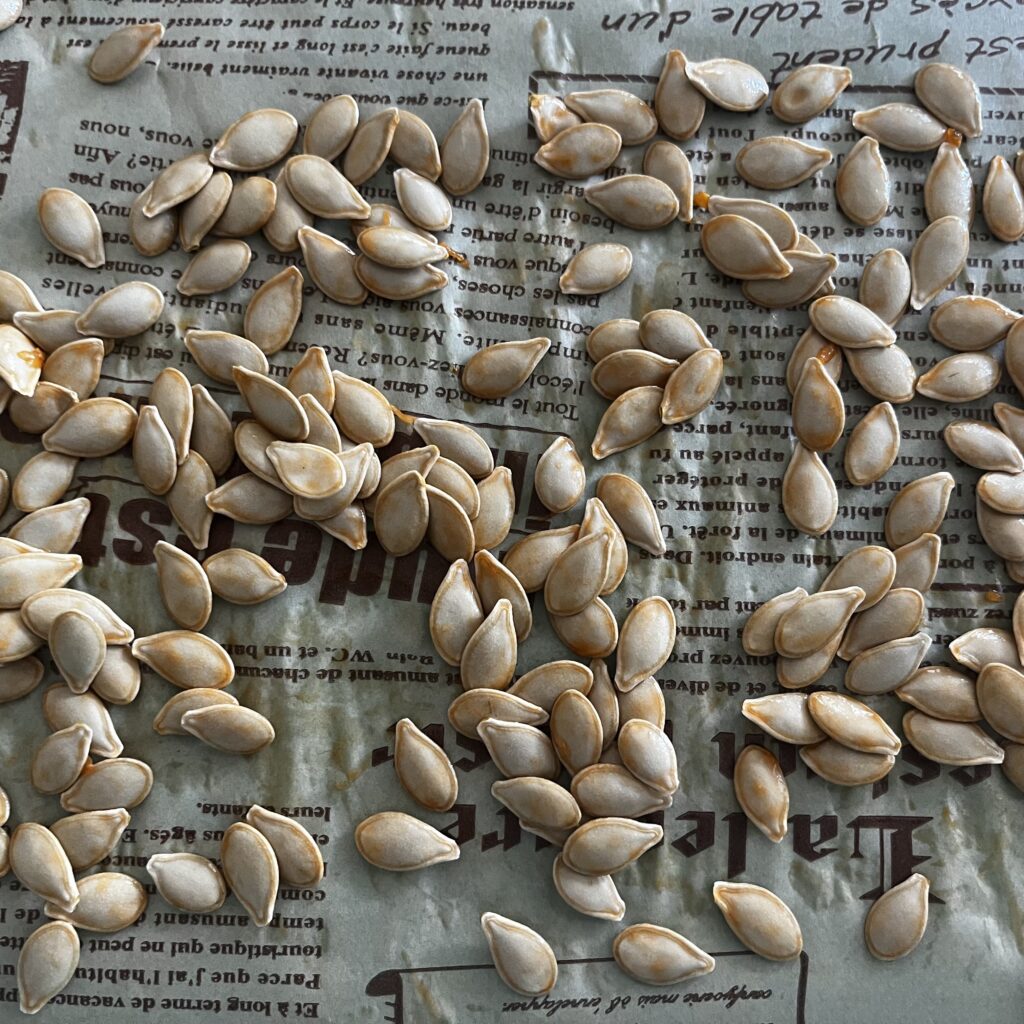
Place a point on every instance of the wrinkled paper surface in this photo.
(345, 652)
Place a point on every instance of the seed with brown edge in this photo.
(46, 964)
(596, 269)
(760, 920)
(740, 248)
(897, 920)
(250, 870)
(502, 368)
(779, 162)
(256, 140)
(604, 846)
(122, 52)
(761, 790)
(188, 881)
(399, 842)
(423, 768)
(522, 958)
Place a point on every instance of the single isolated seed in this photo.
(46, 964)
(951, 95)
(659, 956)
(123, 51)
(395, 841)
(777, 162)
(188, 881)
(897, 920)
(423, 768)
(522, 958)
(760, 920)
(70, 225)
(502, 368)
(761, 790)
(596, 268)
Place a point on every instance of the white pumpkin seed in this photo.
(886, 373)
(40, 483)
(580, 151)
(692, 386)
(91, 836)
(78, 647)
(243, 577)
(299, 859)
(999, 693)
(729, 83)
(503, 367)
(522, 958)
(186, 659)
(171, 393)
(576, 731)
(1002, 533)
(59, 760)
(203, 210)
(62, 708)
(187, 499)
(610, 790)
(250, 870)
(50, 328)
(92, 429)
(809, 496)
(668, 163)
(399, 842)
(819, 415)
(595, 896)
(871, 567)
(16, 297)
(168, 719)
(401, 514)
(885, 285)
(843, 766)
(212, 436)
(969, 323)
(216, 268)
(900, 126)
(154, 235)
(493, 582)
(898, 614)
(811, 272)
(615, 336)
(596, 269)
(249, 207)
(399, 285)
(41, 865)
(645, 701)
(942, 692)
(122, 312)
(331, 265)
(591, 633)
(21, 362)
(636, 201)
(578, 574)
(19, 678)
(489, 656)
(543, 685)
(288, 218)
(883, 668)
(873, 446)
(457, 442)
(812, 622)
(249, 499)
(414, 146)
(963, 377)
(188, 881)
(71, 226)
(274, 310)
(938, 256)
(659, 956)
(648, 754)
(917, 562)
(951, 95)
(177, 183)
(121, 53)
(897, 920)
(451, 478)
(759, 632)
(256, 140)
(233, 729)
(776, 162)
(29, 572)
(37, 414)
(469, 709)
(980, 647)
(761, 790)
(1003, 492)
(633, 511)
(218, 352)
(518, 749)
(678, 105)
(322, 189)
(455, 613)
(846, 322)
(331, 126)
(770, 218)
(1002, 201)
(948, 190)
(307, 470)
(632, 418)
(46, 964)
(645, 643)
(273, 405)
(323, 431)
(627, 114)
(110, 901)
(604, 846)
(371, 141)
(955, 743)
(852, 723)
(530, 558)
(666, 332)
(809, 91)
(550, 115)
(560, 478)
(422, 201)
(784, 716)
(740, 248)
(41, 609)
(423, 768)
(399, 248)
(76, 366)
(918, 508)
(811, 345)
(983, 446)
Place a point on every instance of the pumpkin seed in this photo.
(955, 743)
(218, 352)
(55, 529)
(307, 470)
(983, 446)
(980, 647)
(578, 574)
(168, 719)
(963, 377)
(233, 729)
(761, 791)
(596, 269)
(401, 514)
(678, 105)
(122, 312)
(819, 415)
(423, 768)
(59, 760)
(371, 141)
(288, 218)
(41, 865)
(883, 668)
(216, 268)
(659, 956)
(951, 95)
(16, 639)
(317, 185)
(489, 656)
(999, 691)
(399, 285)
(422, 201)
(1012, 764)
(938, 256)
(455, 613)
(522, 958)
(249, 499)
(42, 482)
(21, 361)
(784, 716)
(494, 581)
(873, 446)
(692, 386)
(740, 248)
(49, 329)
(177, 183)
(627, 114)
(886, 373)
(645, 701)
(1002, 201)
(550, 115)
(918, 508)
(809, 496)
(948, 190)
(632, 510)
(540, 802)
(614, 336)
(591, 633)
(543, 685)
(1002, 533)
(459, 443)
(809, 624)
(759, 918)
(449, 529)
(728, 83)
(323, 431)
(560, 478)
(632, 418)
(256, 140)
(942, 692)
(809, 346)
(186, 659)
(212, 436)
(62, 708)
(121, 53)
(770, 218)
(154, 235)
(18, 678)
(809, 91)
(250, 205)
(898, 614)
(362, 412)
(41, 609)
(273, 405)
(469, 709)
(518, 749)
(846, 322)
(37, 414)
(648, 755)
(1003, 492)
(274, 310)
(778, 162)
(896, 922)
(91, 836)
(171, 393)
(810, 274)
(92, 429)
(76, 366)
(414, 146)
(885, 285)
(604, 846)
(110, 901)
(852, 723)
(646, 642)
(917, 562)
(668, 333)
(250, 870)
(576, 732)
(871, 567)
(969, 323)
(530, 558)
(451, 478)
(636, 201)
(399, 248)
(503, 367)
(299, 860)
(70, 225)
(243, 577)
(188, 881)
(46, 964)
(900, 126)
(843, 766)
(78, 648)
(580, 151)
(399, 842)
(28, 573)
(668, 163)
(610, 790)
(595, 896)
(759, 632)
(203, 210)
(187, 499)
(330, 127)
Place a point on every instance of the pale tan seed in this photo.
(645, 701)
(399, 842)
(15, 297)
(948, 189)
(41, 865)
(900, 126)
(78, 647)
(951, 95)
(249, 499)
(679, 106)
(455, 613)
(21, 361)
(331, 126)
(591, 633)
(250, 870)
(503, 368)
(187, 499)
(668, 163)
(819, 415)
(56, 528)
(177, 183)
(761, 790)
(470, 708)
(872, 446)
(324, 191)
(1003, 492)
(846, 322)
(596, 519)
(918, 508)
(636, 201)
(578, 574)
(216, 268)
(243, 577)
(414, 146)
(871, 567)
(41, 609)
(119, 677)
(235, 730)
(604, 846)
(543, 685)
(560, 477)
(151, 236)
(398, 285)
(489, 656)
(809, 496)
(423, 768)
(784, 716)
(122, 52)
(845, 767)
(627, 114)
(203, 210)
(602, 695)
(1003, 201)
(645, 642)
(883, 668)
(772, 219)
(969, 323)
(331, 265)
(62, 708)
(212, 436)
(92, 429)
(323, 431)
(809, 91)
(451, 478)
(400, 249)
(369, 146)
(46, 964)
(449, 529)
(729, 83)
(759, 632)
(596, 269)
(938, 256)
(171, 393)
(632, 418)
(362, 412)
(299, 859)
(522, 957)
(423, 202)
(610, 790)
(648, 754)
(576, 731)
(29, 572)
(256, 140)
(273, 405)
(119, 782)
(955, 743)
(19, 678)
(862, 186)
(654, 955)
(122, 312)
(531, 557)
(76, 366)
(218, 352)
(17, 641)
(186, 659)
(37, 414)
(692, 386)
(282, 227)
(917, 562)
(777, 162)
(42, 482)
(809, 346)
(91, 836)
(983, 446)
(110, 901)
(852, 723)
(168, 719)
(614, 336)
(188, 881)
(401, 514)
(760, 919)
(740, 248)
(50, 328)
(495, 581)
(810, 277)
(71, 226)
(942, 692)
(631, 508)
(249, 207)
(1000, 696)
(580, 151)
(896, 921)
(458, 442)
(59, 759)
(519, 750)
(885, 285)
(307, 470)
(550, 115)
(1003, 534)
(274, 310)
(813, 621)
(899, 613)
(886, 373)
(963, 377)
(982, 646)
(1010, 418)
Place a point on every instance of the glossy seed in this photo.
(324, 191)
(218, 352)
(898, 614)
(811, 623)
(692, 386)
(250, 870)
(580, 151)
(41, 609)
(29, 572)
(595, 896)
(852, 723)
(983, 446)
(151, 236)
(577, 575)
(70, 225)
(948, 189)
(203, 210)
(361, 411)
(423, 768)
(1002, 201)
(1003, 492)
(399, 248)
(784, 716)
(233, 729)
(772, 219)
(648, 754)
(678, 105)
(942, 692)
(592, 633)
(560, 477)
(778, 162)
(177, 183)
(982, 646)
(728, 83)
(41, 865)
(495, 581)
(883, 668)
(216, 268)
(808, 91)
(846, 322)
(636, 201)
(46, 964)
(21, 362)
(951, 95)
(611, 790)
(740, 248)
(413, 145)
(761, 791)
(123, 51)
(250, 205)
(49, 329)
(502, 368)
(627, 114)
(938, 256)
(918, 508)
(369, 146)
(842, 766)
(871, 567)
(401, 514)
(522, 957)
(604, 846)
(399, 842)
(519, 750)
(287, 219)
(37, 414)
(955, 743)
(885, 285)
(633, 511)
(1000, 696)
(188, 881)
(256, 140)
(896, 921)
(78, 647)
(819, 415)
(872, 446)
(668, 163)
(963, 377)
(596, 269)
(632, 418)
(886, 373)
(759, 919)
(759, 632)
(455, 613)
(654, 955)
(274, 310)
(62, 708)
(42, 482)
(449, 529)
(969, 323)
(809, 495)
(187, 499)
(614, 336)
(331, 126)
(91, 836)
(186, 659)
(122, 312)
(243, 577)
(901, 126)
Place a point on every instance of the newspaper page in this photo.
(345, 652)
